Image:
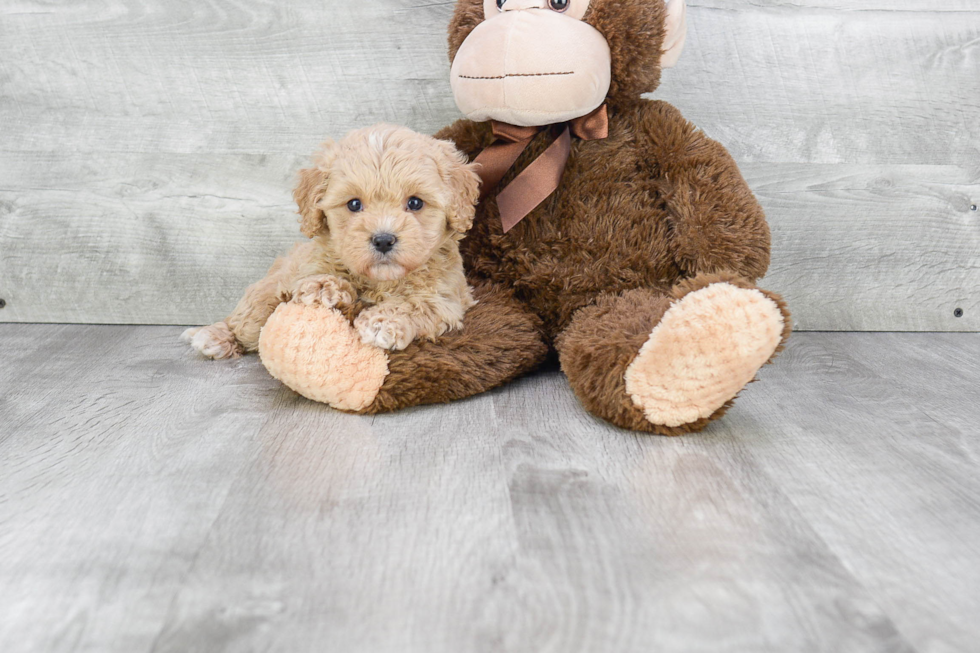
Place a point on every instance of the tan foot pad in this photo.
(315, 351)
(705, 349)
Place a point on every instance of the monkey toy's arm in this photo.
(717, 224)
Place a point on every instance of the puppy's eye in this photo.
(559, 5)
(415, 204)
(354, 206)
(500, 4)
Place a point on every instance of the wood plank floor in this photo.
(152, 501)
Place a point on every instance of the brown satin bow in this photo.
(541, 178)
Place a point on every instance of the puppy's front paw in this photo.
(215, 341)
(385, 330)
(324, 289)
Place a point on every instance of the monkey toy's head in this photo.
(538, 62)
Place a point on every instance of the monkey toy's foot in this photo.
(313, 350)
(704, 350)
(670, 363)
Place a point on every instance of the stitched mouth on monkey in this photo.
(506, 75)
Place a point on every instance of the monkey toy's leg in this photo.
(670, 364)
(500, 341)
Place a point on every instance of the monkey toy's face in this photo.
(537, 62)
(532, 62)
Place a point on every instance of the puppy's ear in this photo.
(464, 184)
(310, 189)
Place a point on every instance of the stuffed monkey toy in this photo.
(610, 231)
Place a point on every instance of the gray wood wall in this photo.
(147, 148)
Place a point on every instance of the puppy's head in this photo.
(387, 198)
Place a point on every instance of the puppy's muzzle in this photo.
(383, 242)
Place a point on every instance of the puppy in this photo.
(385, 209)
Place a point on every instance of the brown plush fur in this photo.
(600, 343)
(653, 212)
(500, 342)
(682, 208)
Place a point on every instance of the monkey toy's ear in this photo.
(675, 32)
(310, 189)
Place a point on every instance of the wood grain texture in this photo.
(904, 239)
(949, 6)
(154, 501)
(793, 83)
(148, 147)
(114, 463)
(893, 488)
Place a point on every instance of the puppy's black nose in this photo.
(383, 242)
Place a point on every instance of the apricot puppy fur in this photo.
(385, 209)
